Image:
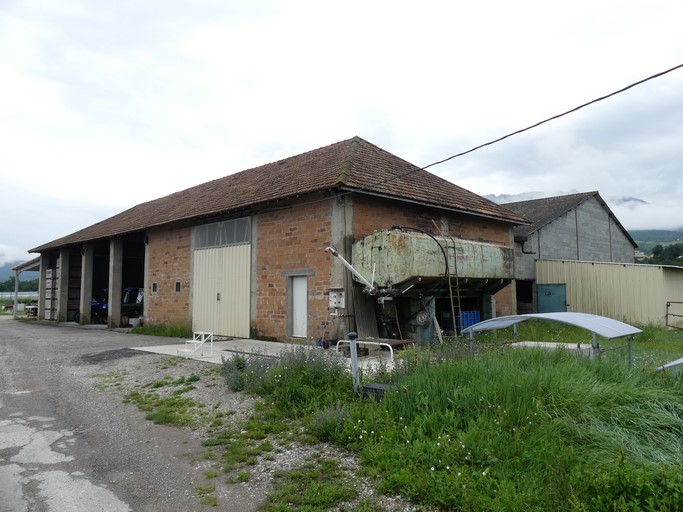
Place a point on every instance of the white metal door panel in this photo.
(300, 306)
(221, 284)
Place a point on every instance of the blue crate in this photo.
(467, 318)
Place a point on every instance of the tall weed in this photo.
(299, 382)
(515, 429)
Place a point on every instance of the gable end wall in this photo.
(586, 233)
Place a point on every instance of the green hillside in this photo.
(648, 238)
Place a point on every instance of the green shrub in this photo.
(627, 488)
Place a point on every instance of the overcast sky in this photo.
(108, 104)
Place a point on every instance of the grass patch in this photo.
(173, 409)
(167, 331)
(165, 410)
(169, 362)
(319, 484)
(203, 490)
(111, 380)
(210, 501)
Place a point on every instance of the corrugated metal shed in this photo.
(635, 293)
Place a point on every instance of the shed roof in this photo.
(601, 325)
(350, 165)
(542, 212)
(28, 266)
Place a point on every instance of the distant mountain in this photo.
(657, 236)
(6, 271)
(513, 198)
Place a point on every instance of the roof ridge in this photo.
(347, 163)
(353, 165)
(553, 198)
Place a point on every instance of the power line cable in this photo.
(499, 139)
(535, 125)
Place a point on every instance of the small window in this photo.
(177, 286)
(154, 287)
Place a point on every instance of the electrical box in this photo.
(337, 300)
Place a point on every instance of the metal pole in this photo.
(630, 351)
(594, 346)
(16, 295)
(354, 360)
(359, 276)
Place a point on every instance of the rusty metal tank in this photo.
(401, 259)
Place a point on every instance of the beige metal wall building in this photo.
(636, 294)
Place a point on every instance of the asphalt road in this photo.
(66, 446)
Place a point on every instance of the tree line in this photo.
(24, 286)
(671, 254)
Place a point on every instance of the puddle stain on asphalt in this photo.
(110, 355)
(60, 490)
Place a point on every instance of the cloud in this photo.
(108, 105)
(31, 219)
(625, 146)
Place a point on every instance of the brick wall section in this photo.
(370, 215)
(292, 241)
(506, 301)
(170, 259)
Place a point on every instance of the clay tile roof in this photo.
(352, 165)
(542, 212)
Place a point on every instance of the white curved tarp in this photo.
(600, 325)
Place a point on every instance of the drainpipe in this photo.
(368, 285)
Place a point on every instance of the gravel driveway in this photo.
(68, 443)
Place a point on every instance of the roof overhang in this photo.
(602, 326)
(28, 266)
(465, 211)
